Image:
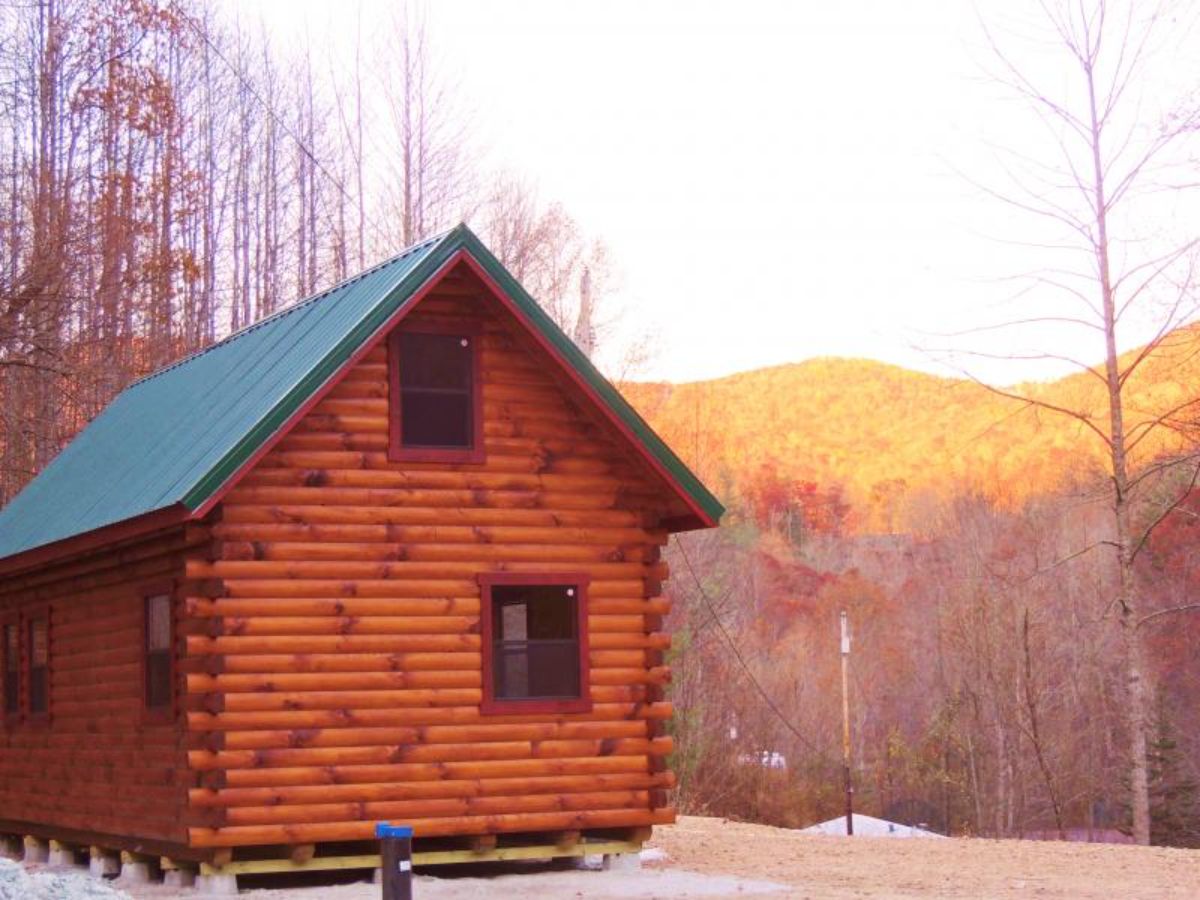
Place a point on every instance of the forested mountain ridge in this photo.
(882, 432)
(967, 535)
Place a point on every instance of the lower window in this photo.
(39, 666)
(157, 670)
(12, 669)
(535, 643)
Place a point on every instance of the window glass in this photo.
(435, 361)
(39, 666)
(12, 669)
(436, 391)
(158, 622)
(158, 651)
(535, 642)
(435, 420)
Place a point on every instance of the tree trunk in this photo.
(1126, 599)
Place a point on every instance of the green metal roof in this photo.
(175, 437)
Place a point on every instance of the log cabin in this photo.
(390, 554)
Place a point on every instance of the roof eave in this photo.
(104, 536)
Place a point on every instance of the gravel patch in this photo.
(18, 884)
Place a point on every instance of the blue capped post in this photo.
(395, 854)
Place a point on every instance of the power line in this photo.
(738, 655)
(237, 73)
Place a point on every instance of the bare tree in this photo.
(169, 172)
(573, 278)
(423, 154)
(1113, 150)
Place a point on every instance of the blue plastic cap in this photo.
(384, 830)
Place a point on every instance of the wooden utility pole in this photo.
(846, 723)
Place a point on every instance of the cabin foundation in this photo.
(179, 878)
(62, 855)
(177, 874)
(103, 863)
(217, 885)
(135, 868)
(36, 850)
(616, 849)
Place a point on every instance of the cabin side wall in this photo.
(339, 679)
(98, 767)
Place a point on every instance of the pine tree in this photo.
(1174, 810)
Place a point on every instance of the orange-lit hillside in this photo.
(883, 432)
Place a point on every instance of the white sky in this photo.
(776, 180)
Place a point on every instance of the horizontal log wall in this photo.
(98, 765)
(334, 670)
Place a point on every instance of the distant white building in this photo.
(869, 826)
(768, 759)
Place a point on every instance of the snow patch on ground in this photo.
(17, 884)
(869, 826)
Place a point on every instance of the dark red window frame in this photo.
(397, 452)
(491, 705)
(39, 614)
(164, 712)
(10, 675)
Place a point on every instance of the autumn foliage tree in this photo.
(170, 171)
(797, 508)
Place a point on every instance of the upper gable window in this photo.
(436, 412)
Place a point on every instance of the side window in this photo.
(39, 665)
(11, 648)
(435, 405)
(535, 634)
(158, 676)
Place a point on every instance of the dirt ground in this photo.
(719, 860)
(839, 867)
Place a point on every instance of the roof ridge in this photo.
(291, 308)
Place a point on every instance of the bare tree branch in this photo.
(1187, 607)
